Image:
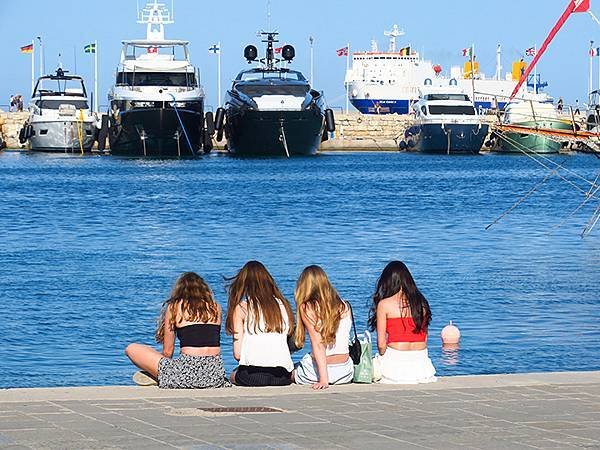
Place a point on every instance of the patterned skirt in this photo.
(192, 372)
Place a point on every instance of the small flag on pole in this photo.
(342, 51)
(90, 48)
(530, 51)
(278, 49)
(215, 49)
(405, 51)
(595, 51)
(468, 52)
(27, 49)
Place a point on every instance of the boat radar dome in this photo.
(450, 334)
(288, 53)
(250, 53)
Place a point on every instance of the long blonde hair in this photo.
(192, 297)
(255, 285)
(314, 289)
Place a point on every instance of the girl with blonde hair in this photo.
(191, 315)
(327, 319)
(260, 320)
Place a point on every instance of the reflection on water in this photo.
(90, 247)
(450, 354)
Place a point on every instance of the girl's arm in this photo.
(307, 315)
(169, 333)
(239, 318)
(381, 333)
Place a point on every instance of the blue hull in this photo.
(453, 138)
(374, 106)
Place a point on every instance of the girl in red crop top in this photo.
(401, 315)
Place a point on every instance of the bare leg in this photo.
(145, 357)
(294, 376)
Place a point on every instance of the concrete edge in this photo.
(444, 383)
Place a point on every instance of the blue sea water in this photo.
(90, 247)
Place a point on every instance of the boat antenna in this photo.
(268, 14)
(270, 59)
(393, 34)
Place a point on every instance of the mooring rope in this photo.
(182, 125)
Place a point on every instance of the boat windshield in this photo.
(264, 74)
(463, 110)
(257, 90)
(460, 97)
(55, 104)
(156, 79)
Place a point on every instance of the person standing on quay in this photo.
(11, 105)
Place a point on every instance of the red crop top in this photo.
(400, 329)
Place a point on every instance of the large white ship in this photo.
(387, 82)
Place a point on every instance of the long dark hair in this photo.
(397, 278)
(255, 285)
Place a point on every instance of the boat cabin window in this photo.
(262, 75)
(465, 110)
(156, 79)
(459, 97)
(272, 89)
(55, 104)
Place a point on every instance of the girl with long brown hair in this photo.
(260, 320)
(192, 315)
(327, 319)
(401, 315)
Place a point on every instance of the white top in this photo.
(342, 337)
(266, 349)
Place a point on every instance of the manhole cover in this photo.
(242, 410)
(222, 411)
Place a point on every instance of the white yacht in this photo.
(446, 121)
(156, 107)
(60, 119)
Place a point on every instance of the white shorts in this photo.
(307, 373)
(403, 367)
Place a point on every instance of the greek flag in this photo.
(215, 49)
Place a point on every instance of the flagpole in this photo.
(535, 71)
(219, 73)
(41, 56)
(311, 40)
(473, 71)
(95, 76)
(347, 68)
(32, 67)
(590, 81)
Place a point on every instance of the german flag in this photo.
(405, 51)
(27, 49)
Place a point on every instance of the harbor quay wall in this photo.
(10, 125)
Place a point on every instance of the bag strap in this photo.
(353, 323)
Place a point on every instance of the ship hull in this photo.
(531, 143)
(62, 136)
(450, 138)
(267, 133)
(156, 132)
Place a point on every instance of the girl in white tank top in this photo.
(327, 319)
(260, 320)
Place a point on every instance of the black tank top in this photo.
(199, 335)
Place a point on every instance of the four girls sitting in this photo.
(261, 323)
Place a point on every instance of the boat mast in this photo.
(393, 34)
(155, 16)
(270, 59)
(498, 62)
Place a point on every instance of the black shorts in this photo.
(262, 376)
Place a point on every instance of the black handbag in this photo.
(354, 349)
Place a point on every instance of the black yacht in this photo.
(271, 110)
